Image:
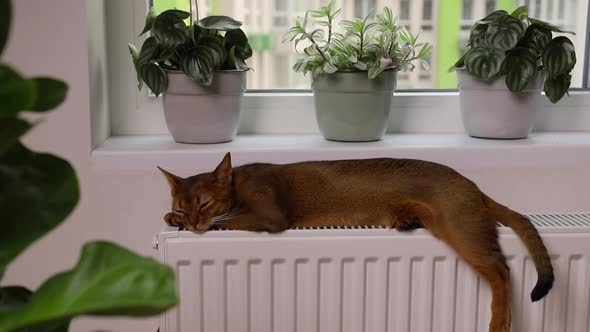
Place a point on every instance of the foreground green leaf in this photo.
(484, 63)
(12, 130)
(16, 93)
(149, 51)
(107, 281)
(198, 65)
(12, 298)
(135, 56)
(223, 23)
(38, 192)
(504, 32)
(521, 12)
(50, 94)
(5, 21)
(538, 37)
(550, 26)
(170, 31)
(149, 20)
(520, 67)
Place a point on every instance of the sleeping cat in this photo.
(399, 193)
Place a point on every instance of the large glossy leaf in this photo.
(180, 14)
(491, 17)
(538, 37)
(556, 88)
(549, 26)
(484, 63)
(16, 93)
(216, 49)
(154, 77)
(38, 192)
(11, 129)
(149, 51)
(223, 23)
(108, 280)
(559, 57)
(520, 67)
(477, 37)
(170, 31)
(238, 39)
(50, 94)
(5, 21)
(521, 12)
(505, 32)
(198, 65)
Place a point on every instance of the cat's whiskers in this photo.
(225, 217)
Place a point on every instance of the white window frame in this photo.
(292, 112)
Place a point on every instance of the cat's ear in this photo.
(223, 171)
(173, 180)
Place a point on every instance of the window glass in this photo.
(266, 21)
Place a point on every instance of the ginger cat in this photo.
(399, 193)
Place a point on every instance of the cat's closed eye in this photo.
(180, 213)
(204, 205)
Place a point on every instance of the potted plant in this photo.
(510, 58)
(201, 71)
(38, 192)
(354, 73)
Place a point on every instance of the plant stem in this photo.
(190, 6)
(329, 29)
(197, 9)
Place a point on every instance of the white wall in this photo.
(50, 38)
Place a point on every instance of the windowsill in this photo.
(145, 152)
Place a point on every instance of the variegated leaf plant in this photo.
(373, 44)
(517, 46)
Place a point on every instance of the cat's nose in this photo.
(215, 227)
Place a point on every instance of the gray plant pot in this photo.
(352, 108)
(490, 110)
(204, 114)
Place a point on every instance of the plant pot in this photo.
(204, 114)
(490, 110)
(350, 107)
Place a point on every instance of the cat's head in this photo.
(197, 200)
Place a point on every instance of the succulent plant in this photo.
(518, 46)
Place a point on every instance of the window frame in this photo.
(292, 111)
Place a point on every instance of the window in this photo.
(416, 15)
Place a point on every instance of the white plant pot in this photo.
(490, 110)
(204, 114)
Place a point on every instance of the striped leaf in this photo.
(223, 23)
(492, 17)
(505, 32)
(154, 77)
(520, 67)
(550, 26)
(477, 37)
(149, 51)
(484, 63)
(198, 65)
(170, 31)
(560, 57)
(537, 36)
(556, 88)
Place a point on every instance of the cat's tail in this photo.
(529, 235)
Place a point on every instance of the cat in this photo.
(398, 193)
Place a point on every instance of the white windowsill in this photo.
(145, 152)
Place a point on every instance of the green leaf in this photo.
(5, 21)
(491, 17)
(198, 65)
(170, 31)
(223, 23)
(180, 14)
(520, 66)
(16, 93)
(108, 280)
(556, 88)
(549, 26)
(484, 63)
(504, 32)
(216, 48)
(149, 20)
(12, 298)
(150, 50)
(460, 63)
(12, 130)
(537, 36)
(375, 71)
(38, 192)
(477, 37)
(135, 57)
(154, 77)
(50, 94)
(521, 12)
(560, 57)
(238, 39)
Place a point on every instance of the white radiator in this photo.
(367, 280)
